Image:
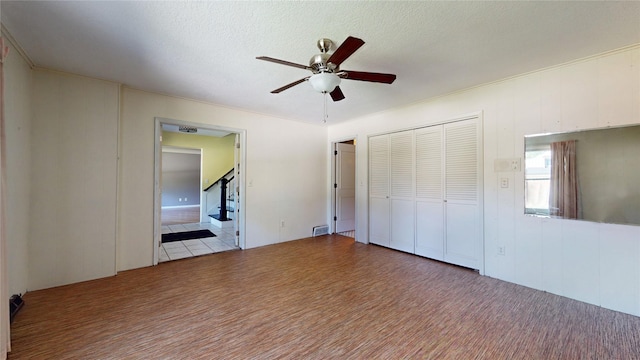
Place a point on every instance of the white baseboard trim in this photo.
(180, 206)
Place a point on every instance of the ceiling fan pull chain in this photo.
(324, 120)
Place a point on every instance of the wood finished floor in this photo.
(318, 298)
(175, 216)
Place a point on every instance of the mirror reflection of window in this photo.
(564, 198)
(607, 175)
(537, 180)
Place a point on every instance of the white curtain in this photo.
(5, 344)
(563, 192)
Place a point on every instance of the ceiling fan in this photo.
(326, 69)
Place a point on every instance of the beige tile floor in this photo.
(223, 241)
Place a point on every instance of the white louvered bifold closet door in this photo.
(429, 193)
(402, 191)
(425, 192)
(379, 190)
(462, 193)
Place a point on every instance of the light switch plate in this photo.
(507, 165)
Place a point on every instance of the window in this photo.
(537, 176)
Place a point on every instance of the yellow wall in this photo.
(217, 153)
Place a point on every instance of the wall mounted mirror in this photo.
(591, 175)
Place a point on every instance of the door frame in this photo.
(240, 180)
(333, 179)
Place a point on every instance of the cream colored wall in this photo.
(217, 152)
(73, 183)
(595, 263)
(285, 172)
(18, 86)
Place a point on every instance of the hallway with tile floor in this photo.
(223, 241)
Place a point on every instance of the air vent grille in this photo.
(320, 230)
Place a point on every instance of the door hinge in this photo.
(237, 232)
(335, 218)
(237, 145)
(335, 186)
(335, 152)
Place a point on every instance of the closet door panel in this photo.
(462, 246)
(379, 166)
(461, 162)
(429, 158)
(379, 221)
(402, 225)
(402, 165)
(402, 191)
(430, 229)
(429, 193)
(462, 194)
(379, 190)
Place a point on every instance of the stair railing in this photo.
(223, 198)
(223, 181)
(217, 181)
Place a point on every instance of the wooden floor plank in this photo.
(319, 298)
(180, 215)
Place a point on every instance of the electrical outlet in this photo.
(179, 199)
(185, 199)
(504, 183)
(501, 250)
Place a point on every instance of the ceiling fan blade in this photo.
(346, 49)
(283, 62)
(337, 94)
(368, 76)
(278, 90)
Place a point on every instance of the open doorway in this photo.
(180, 185)
(221, 160)
(344, 187)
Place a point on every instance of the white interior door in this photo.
(345, 185)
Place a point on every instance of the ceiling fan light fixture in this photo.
(324, 82)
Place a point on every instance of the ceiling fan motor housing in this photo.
(319, 64)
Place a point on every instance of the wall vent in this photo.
(320, 230)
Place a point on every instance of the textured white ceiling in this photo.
(206, 50)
